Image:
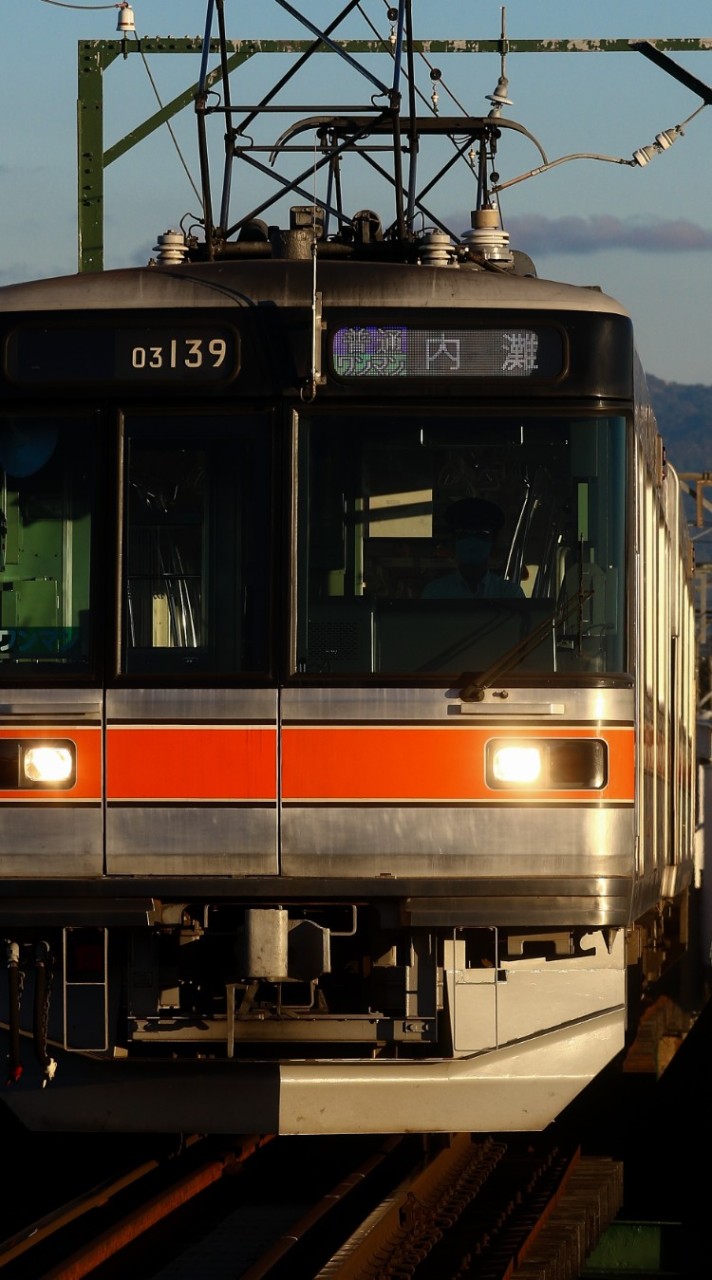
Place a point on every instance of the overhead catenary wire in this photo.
(161, 104)
(639, 158)
(63, 4)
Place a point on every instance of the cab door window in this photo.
(196, 555)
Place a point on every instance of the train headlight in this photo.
(50, 765)
(516, 764)
(549, 764)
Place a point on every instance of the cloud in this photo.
(537, 234)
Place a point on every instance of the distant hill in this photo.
(684, 415)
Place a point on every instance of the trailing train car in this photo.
(347, 687)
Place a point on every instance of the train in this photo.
(347, 683)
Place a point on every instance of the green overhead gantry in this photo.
(96, 56)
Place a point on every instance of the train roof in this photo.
(285, 283)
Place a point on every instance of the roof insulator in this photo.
(171, 249)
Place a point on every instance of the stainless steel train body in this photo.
(269, 860)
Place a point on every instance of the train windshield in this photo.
(197, 545)
(444, 544)
(46, 502)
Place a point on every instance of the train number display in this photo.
(122, 354)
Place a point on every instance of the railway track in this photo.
(392, 1208)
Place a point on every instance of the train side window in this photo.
(46, 501)
(196, 546)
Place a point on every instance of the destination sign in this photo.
(400, 351)
(78, 355)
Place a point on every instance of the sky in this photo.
(643, 234)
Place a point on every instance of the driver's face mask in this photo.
(473, 548)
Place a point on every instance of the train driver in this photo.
(473, 525)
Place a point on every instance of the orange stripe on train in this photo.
(177, 762)
(438, 763)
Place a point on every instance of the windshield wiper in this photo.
(474, 684)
